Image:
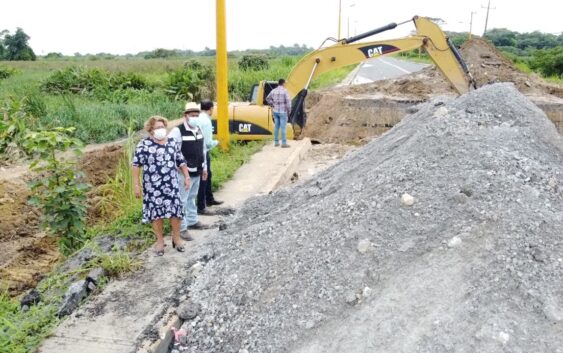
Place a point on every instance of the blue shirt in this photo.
(203, 121)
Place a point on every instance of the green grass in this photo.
(101, 121)
(523, 67)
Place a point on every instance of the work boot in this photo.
(185, 235)
(199, 225)
(205, 212)
(214, 203)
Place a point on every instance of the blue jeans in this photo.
(188, 199)
(280, 122)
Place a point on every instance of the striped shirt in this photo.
(279, 100)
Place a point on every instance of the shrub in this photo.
(53, 55)
(194, 82)
(253, 63)
(95, 82)
(6, 72)
(59, 192)
(548, 61)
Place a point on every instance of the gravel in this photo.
(471, 261)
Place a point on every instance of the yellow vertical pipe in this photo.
(222, 69)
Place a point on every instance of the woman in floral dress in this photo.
(160, 157)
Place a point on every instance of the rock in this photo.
(367, 292)
(196, 268)
(460, 198)
(31, 298)
(407, 200)
(503, 337)
(188, 310)
(553, 311)
(440, 112)
(363, 246)
(73, 297)
(454, 242)
(351, 298)
(96, 274)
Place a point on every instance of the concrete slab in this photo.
(116, 319)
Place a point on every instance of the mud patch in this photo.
(28, 263)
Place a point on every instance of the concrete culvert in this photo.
(483, 275)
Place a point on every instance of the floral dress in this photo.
(160, 178)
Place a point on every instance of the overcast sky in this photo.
(128, 26)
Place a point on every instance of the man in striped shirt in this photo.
(281, 104)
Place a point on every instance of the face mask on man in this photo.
(159, 134)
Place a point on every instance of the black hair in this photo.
(206, 104)
(281, 81)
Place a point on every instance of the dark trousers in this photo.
(205, 194)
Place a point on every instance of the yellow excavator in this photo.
(253, 120)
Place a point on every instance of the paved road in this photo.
(382, 69)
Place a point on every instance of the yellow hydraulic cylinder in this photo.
(222, 72)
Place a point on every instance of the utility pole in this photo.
(471, 23)
(222, 69)
(339, 17)
(487, 17)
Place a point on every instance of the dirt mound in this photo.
(347, 262)
(334, 115)
(99, 164)
(27, 254)
(488, 65)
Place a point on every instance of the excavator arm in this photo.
(345, 52)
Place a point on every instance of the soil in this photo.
(355, 114)
(27, 252)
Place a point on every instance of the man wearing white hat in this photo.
(190, 138)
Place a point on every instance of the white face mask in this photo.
(160, 134)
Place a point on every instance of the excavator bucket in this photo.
(298, 117)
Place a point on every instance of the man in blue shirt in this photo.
(205, 195)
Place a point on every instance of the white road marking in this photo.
(395, 66)
(360, 79)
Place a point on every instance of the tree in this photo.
(548, 61)
(2, 48)
(16, 47)
(502, 37)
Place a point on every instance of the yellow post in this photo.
(222, 69)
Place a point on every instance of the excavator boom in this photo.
(346, 52)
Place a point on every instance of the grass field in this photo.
(105, 119)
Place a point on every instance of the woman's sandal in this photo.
(160, 252)
(179, 248)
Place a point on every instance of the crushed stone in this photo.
(474, 265)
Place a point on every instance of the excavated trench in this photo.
(355, 120)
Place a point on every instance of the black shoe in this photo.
(214, 203)
(205, 212)
(198, 225)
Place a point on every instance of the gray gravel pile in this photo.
(443, 235)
